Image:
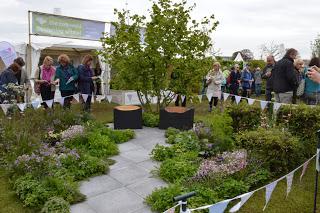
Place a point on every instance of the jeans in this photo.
(312, 98)
(285, 97)
(268, 95)
(258, 89)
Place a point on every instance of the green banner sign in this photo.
(60, 26)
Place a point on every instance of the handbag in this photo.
(37, 84)
(300, 89)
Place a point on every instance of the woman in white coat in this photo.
(214, 81)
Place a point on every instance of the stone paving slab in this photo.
(117, 201)
(129, 181)
(99, 185)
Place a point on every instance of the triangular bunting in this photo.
(85, 97)
(219, 207)
(269, 189)
(200, 98)
(49, 103)
(238, 99)
(109, 98)
(100, 98)
(171, 210)
(209, 96)
(317, 160)
(35, 104)
(129, 97)
(289, 178)
(183, 97)
(276, 106)
(154, 100)
(244, 198)
(225, 96)
(22, 106)
(61, 101)
(250, 101)
(76, 96)
(92, 98)
(304, 169)
(263, 104)
(5, 108)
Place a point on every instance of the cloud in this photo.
(243, 24)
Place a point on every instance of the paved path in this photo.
(129, 181)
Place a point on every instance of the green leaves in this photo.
(173, 43)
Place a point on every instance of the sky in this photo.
(244, 24)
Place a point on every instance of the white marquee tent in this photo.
(74, 50)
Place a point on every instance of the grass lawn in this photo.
(300, 199)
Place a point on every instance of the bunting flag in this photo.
(183, 97)
(289, 178)
(276, 106)
(200, 98)
(304, 169)
(85, 97)
(5, 108)
(317, 160)
(92, 98)
(219, 207)
(263, 104)
(244, 198)
(100, 98)
(225, 96)
(209, 96)
(76, 97)
(49, 103)
(35, 104)
(269, 189)
(154, 100)
(109, 98)
(250, 101)
(176, 96)
(61, 101)
(238, 99)
(129, 97)
(171, 210)
(22, 106)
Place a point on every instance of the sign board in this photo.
(7, 53)
(66, 27)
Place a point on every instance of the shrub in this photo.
(171, 132)
(161, 153)
(302, 121)
(244, 116)
(150, 119)
(279, 151)
(121, 136)
(257, 178)
(176, 169)
(221, 135)
(230, 188)
(162, 199)
(56, 205)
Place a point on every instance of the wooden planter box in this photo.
(176, 117)
(127, 117)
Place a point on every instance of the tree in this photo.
(315, 47)
(172, 58)
(247, 54)
(272, 48)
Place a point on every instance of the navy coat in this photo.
(85, 83)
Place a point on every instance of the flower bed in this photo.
(228, 154)
(46, 155)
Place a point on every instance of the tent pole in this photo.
(29, 52)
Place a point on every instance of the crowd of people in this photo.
(65, 76)
(289, 79)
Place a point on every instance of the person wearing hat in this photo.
(246, 81)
